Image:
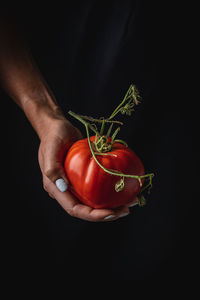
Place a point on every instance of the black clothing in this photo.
(90, 53)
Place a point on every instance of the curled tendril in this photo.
(136, 95)
(134, 100)
(127, 109)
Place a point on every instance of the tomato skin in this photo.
(92, 185)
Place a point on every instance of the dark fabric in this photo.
(89, 53)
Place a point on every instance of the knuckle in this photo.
(51, 172)
(71, 212)
(51, 195)
(45, 186)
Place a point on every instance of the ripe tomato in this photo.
(92, 185)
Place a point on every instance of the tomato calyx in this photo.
(103, 143)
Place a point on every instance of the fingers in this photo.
(51, 159)
(72, 206)
(54, 171)
(76, 209)
(56, 174)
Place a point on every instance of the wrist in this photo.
(42, 112)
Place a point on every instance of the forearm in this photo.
(23, 82)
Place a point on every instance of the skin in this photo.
(23, 82)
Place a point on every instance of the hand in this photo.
(55, 141)
(22, 80)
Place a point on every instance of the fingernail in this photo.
(109, 217)
(124, 214)
(133, 204)
(61, 185)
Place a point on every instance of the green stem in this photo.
(115, 134)
(103, 147)
(82, 121)
(120, 105)
(102, 127)
(149, 184)
(109, 130)
(100, 120)
(113, 172)
(121, 142)
(116, 173)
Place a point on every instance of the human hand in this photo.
(22, 80)
(55, 141)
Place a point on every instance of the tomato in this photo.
(95, 187)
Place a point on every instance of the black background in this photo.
(154, 245)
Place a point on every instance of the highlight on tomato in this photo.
(103, 172)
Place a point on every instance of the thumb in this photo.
(57, 175)
(50, 158)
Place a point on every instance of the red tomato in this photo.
(92, 185)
